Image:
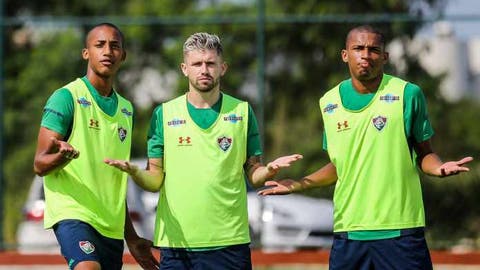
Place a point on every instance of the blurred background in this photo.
(282, 55)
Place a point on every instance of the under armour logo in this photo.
(343, 125)
(182, 140)
(94, 123)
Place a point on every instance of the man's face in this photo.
(204, 68)
(365, 55)
(104, 51)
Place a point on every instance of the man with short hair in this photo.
(200, 147)
(83, 123)
(375, 124)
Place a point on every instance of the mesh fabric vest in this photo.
(87, 189)
(378, 186)
(203, 199)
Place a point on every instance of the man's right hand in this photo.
(62, 147)
(279, 187)
(122, 165)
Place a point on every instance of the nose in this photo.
(107, 50)
(204, 68)
(364, 53)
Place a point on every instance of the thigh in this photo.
(404, 252)
(175, 259)
(349, 255)
(81, 242)
(236, 257)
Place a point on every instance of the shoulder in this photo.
(413, 92)
(175, 100)
(61, 96)
(122, 98)
(157, 114)
(251, 113)
(343, 87)
(413, 89)
(158, 110)
(232, 99)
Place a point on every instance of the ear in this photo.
(183, 67)
(224, 68)
(124, 56)
(386, 55)
(344, 56)
(85, 54)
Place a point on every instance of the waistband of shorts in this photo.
(403, 232)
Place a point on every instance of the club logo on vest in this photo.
(330, 108)
(389, 98)
(122, 133)
(379, 122)
(84, 102)
(233, 118)
(224, 143)
(86, 247)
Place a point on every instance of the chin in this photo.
(205, 87)
(205, 90)
(365, 76)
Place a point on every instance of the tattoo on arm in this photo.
(252, 164)
(158, 166)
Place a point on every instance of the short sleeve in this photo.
(58, 112)
(417, 123)
(254, 143)
(155, 142)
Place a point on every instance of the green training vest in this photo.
(203, 201)
(87, 189)
(378, 186)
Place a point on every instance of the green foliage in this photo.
(32, 75)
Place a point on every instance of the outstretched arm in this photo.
(150, 179)
(325, 176)
(52, 153)
(431, 164)
(140, 248)
(258, 173)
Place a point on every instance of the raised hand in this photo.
(67, 151)
(279, 187)
(123, 165)
(454, 167)
(281, 162)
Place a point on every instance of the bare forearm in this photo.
(325, 176)
(47, 163)
(52, 152)
(148, 180)
(129, 230)
(430, 164)
(259, 175)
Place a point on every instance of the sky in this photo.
(464, 29)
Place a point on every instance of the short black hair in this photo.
(368, 29)
(122, 37)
